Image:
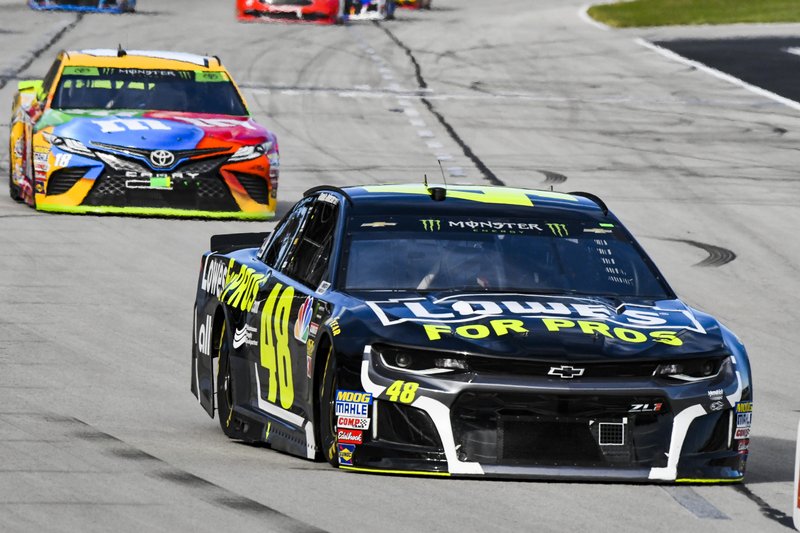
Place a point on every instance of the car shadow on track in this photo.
(770, 460)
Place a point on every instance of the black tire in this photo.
(13, 190)
(327, 406)
(224, 384)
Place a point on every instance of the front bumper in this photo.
(207, 188)
(541, 428)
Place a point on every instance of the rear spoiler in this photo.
(236, 241)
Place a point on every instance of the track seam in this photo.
(36, 54)
(487, 173)
(217, 494)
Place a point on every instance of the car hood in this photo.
(538, 327)
(152, 129)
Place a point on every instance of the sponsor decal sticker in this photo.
(559, 230)
(431, 224)
(353, 403)
(241, 287)
(204, 336)
(352, 422)
(323, 287)
(313, 328)
(378, 225)
(744, 420)
(303, 321)
(346, 454)
(742, 433)
(350, 436)
(334, 324)
(716, 406)
(494, 226)
(744, 407)
(715, 394)
(214, 275)
(328, 198)
(645, 407)
(244, 336)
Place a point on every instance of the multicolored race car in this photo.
(319, 11)
(100, 6)
(139, 132)
(466, 331)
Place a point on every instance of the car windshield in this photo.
(549, 255)
(163, 90)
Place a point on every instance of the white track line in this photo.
(795, 51)
(718, 74)
(583, 13)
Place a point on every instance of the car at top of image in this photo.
(100, 6)
(319, 11)
(414, 4)
(142, 133)
(466, 331)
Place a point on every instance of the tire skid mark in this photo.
(552, 178)
(766, 509)
(717, 255)
(487, 173)
(160, 469)
(15, 72)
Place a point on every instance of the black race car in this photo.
(466, 331)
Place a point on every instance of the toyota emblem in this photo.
(162, 158)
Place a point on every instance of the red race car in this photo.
(319, 11)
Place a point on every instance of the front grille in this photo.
(562, 429)
(623, 369)
(204, 192)
(284, 15)
(256, 186)
(144, 152)
(64, 179)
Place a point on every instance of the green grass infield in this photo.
(683, 12)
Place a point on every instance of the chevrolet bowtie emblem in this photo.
(566, 372)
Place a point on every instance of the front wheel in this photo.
(224, 384)
(13, 189)
(327, 409)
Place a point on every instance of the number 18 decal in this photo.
(274, 344)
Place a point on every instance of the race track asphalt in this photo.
(98, 429)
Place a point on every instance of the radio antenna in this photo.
(425, 181)
(442, 169)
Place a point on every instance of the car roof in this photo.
(145, 59)
(417, 196)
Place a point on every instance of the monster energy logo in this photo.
(559, 230)
(431, 224)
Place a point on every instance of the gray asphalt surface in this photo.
(98, 429)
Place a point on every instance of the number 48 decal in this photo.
(274, 345)
(402, 391)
